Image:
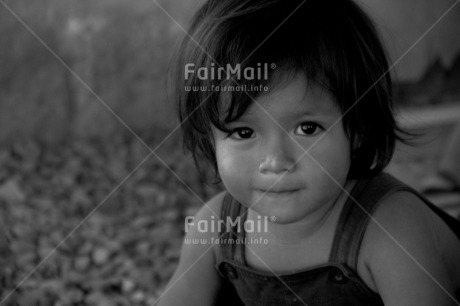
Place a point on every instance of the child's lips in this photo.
(276, 192)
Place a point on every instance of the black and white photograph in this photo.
(229, 152)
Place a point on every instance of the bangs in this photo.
(273, 38)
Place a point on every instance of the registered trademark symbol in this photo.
(272, 218)
(273, 66)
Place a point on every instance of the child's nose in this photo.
(277, 157)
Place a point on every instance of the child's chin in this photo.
(279, 216)
(282, 211)
(283, 219)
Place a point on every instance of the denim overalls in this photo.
(333, 283)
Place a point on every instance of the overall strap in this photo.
(232, 209)
(358, 209)
(355, 216)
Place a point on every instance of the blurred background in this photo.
(92, 218)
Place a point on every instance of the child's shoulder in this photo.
(204, 221)
(211, 210)
(204, 228)
(403, 215)
(407, 243)
(196, 281)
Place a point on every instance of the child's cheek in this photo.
(234, 166)
(331, 147)
(332, 157)
(229, 160)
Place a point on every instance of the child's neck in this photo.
(307, 229)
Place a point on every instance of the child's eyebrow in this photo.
(312, 113)
(291, 116)
(314, 110)
(306, 112)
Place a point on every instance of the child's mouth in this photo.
(276, 193)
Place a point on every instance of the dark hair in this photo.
(331, 42)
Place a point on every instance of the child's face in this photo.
(260, 155)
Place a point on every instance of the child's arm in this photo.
(408, 268)
(196, 281)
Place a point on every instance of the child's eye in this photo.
(307, 128)
(241, 133)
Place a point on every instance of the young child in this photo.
(290, 103)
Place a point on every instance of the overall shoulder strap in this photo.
(358, 209)
(231, 209)
(355, 216)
